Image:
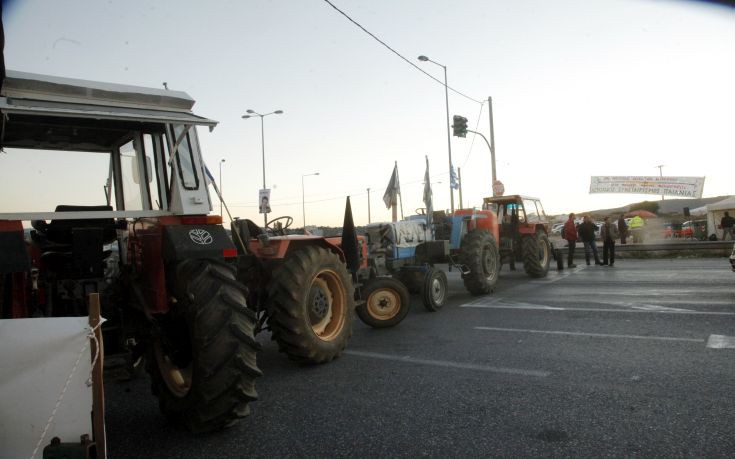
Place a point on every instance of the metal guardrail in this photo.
(664, 249)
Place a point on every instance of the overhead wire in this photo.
(399, 54)
(472, 143)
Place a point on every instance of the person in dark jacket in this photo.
(569, 233)
(587, 231)
(622, 229)
(609, 233)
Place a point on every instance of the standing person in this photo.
(569, 234)
(636, 228)
(587, 233)
(622, 229)
(609, 234)
(727, 223)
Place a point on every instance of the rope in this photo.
(90, 336)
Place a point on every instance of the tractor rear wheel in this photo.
(536, 251)
(386, 302)
(434, 293)
(311, 300)
(203, 363)
(480, 254)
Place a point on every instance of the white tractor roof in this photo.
(23, 85)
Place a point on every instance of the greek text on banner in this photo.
(683, 187)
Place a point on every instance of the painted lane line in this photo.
(595, 335)
(447, 364)
(721, 342)
(554, 308)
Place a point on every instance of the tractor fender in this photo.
(184, 242)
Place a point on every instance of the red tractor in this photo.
(178, 293)
(524, 232)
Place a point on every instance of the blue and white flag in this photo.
(454, 181)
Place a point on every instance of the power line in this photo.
(399, 54)
(472, 143)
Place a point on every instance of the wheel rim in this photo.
(383, 304)
(489, 263)
(177, 379)
(543, 252)
(327, 304)
(437, 290)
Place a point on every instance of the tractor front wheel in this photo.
(480, 254)
(203, 359)
(434, 293)
(386, 302)
(311, 299)
(536, 251)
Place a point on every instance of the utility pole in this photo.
(492, 136)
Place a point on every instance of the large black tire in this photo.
(203, 363)
(386, 302)
(311, 302)
(434, 293)
(479, 253)
(536, 254)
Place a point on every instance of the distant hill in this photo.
(668, 207)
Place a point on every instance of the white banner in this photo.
(682, 187)
(37, 357)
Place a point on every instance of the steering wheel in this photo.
(280, 228)
(421, 211)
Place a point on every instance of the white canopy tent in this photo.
(714, 212)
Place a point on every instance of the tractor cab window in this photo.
(39, 180)
(517, 215)
(185, 159)
(532, 213)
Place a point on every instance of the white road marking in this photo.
(721, 342)
(540, 307)
(447, 364)
(596, 335)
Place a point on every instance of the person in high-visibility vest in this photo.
(636, 228)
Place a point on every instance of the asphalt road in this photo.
(635, 360)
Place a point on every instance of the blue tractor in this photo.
(402, 257)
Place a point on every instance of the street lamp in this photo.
(303, 202)
(449, 135)
(250, 114)
(220, 186)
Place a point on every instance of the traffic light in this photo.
(460, 126)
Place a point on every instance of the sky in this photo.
(579, 88)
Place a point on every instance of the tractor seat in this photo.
(61, 231)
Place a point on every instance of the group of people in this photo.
(585, 232)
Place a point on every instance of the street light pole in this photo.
(449, 134)
(250, 114)
(220, 186)
(368, 193)
(303, 199)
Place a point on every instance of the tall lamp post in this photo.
(303, 201)
(250, 114)
(449, 135)
(220, 186)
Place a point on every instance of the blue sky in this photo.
(579, 88)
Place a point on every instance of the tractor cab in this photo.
(97, 170)
(524, 230)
